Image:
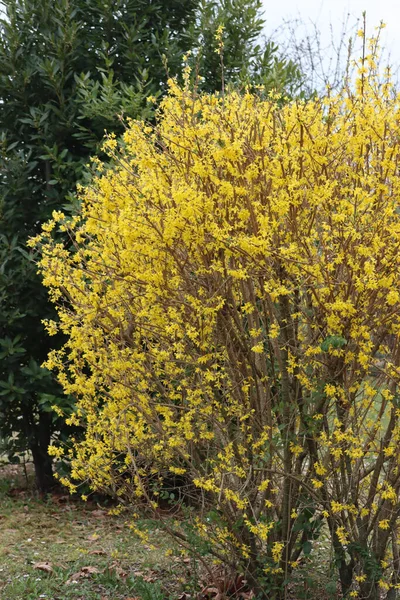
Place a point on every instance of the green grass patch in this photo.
(64, 550)
(61, 549)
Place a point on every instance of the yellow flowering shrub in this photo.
(230, 299)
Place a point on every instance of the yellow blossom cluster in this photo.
(230, 299)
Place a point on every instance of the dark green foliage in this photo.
(57, 58)
(333, 341)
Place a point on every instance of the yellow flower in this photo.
(342, 536)
(277, 549)
(222, 294)
(330, 390)
(392, 297)
(317, 483)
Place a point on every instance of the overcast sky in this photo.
(335, 12)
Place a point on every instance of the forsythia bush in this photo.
(231, 304)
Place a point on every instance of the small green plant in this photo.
(147, 590)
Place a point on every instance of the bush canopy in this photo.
(230, 297)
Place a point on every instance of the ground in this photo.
(64, 549)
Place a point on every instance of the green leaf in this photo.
(307, 547)
(333, 341)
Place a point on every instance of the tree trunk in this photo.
(43, 469)
(42, 461)
(345, 574)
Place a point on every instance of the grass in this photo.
(62, 550)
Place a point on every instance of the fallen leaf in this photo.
(63, 498)
(84, 572)
(98, 552)
(210, 592)
(120, 572)
(247, 595)
(43, 566)
(99, 514)
(90, 570)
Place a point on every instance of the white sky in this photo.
(324, 13)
